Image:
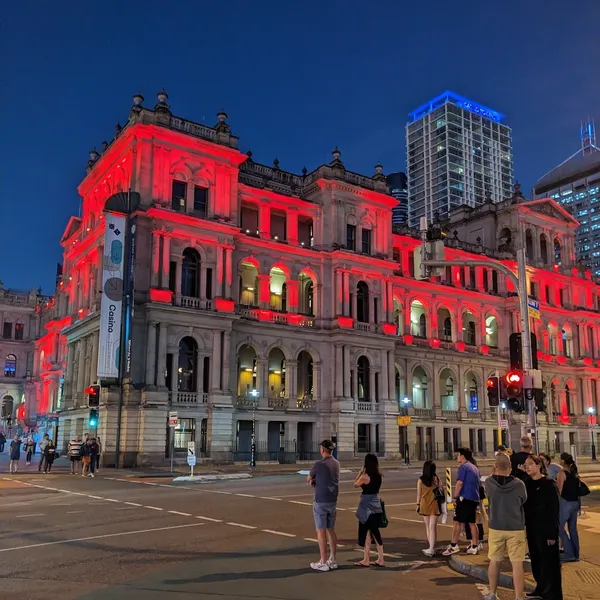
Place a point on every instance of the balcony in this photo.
(187, 398)
(451, 415)
(362, 326)
(195, 303)
(366, 407)
(265, 315)
(423, 413)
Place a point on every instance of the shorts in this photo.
(324, 513)
(507, 543)
(75, 458)
(465, 511)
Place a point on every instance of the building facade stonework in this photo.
(289, 305)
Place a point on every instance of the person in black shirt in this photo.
(542, 510)
(517, 460)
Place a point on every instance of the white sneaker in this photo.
(319, 566)
(451, 550)
(332, 564)
(472, 550)
(428, 552)
(490, 597)
(480, 547)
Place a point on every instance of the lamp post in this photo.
(592, 425)
(254, 394)
(404, 412)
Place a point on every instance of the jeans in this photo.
(568, 517)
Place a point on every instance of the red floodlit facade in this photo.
(290, 297)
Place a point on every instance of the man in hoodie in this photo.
(506, 496)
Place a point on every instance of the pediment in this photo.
(71, 228)
(550, 208)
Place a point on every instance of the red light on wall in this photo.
(561, 360)
(162, 296)
(21, 411)
(587, 361)
(389, 328)
(556, 267)
(408, 339)
(224, 305)
(346, 322)
(460, 346)
(434, 343)
(264, 315)
(484, 349)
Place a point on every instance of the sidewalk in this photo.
(580, 581)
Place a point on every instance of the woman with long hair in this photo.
(428, 506)
(369, 511)
(570, 504)
(542, 510)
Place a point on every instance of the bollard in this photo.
(449, 503)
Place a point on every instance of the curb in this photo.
(480, 572)
(211, 478)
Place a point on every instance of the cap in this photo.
(328, 445)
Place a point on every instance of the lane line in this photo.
(270, 498)
(241, 525)
(154, 508)
(283, 534)
(74, 512)
(246, 495)
(303, 503)
(209, 519)
(176, 512)
(311, 540)
(123, 507)
(99, 537)
(421, 522)
(31, 515)
(133, 504)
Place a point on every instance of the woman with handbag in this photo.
(430, 497)
(570, 504)
(370, 511)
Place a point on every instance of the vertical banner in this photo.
(129, 294)
(113, 271)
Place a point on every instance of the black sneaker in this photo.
(532, 595)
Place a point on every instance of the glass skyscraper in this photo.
(458, 152)
(399, 189)
(575, 184)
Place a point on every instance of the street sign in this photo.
(403, 421)
(533, 308)
(191, 459)
(173, 419)
(504, 424)
(191, 448)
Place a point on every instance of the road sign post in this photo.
(173, 423)
(191, 457)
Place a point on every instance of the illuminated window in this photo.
(10, 366)
(187, 364)
(19, 331)
(178, 195)
(7, 330)
(200, 201)
(351, 237)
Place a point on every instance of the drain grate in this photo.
(589, 577)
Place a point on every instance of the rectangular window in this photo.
(185, 432)
(172, 275)
(200, 201)
(495, 282)
(376, 310)
(561, 294)
(209, 283)
(396, 255)
(486, 283)
(533, 290)
(205, 374)
(366, 241)
(178, 195)
(7, 330)
(548, 295)
(19, 331)
(10, 366)
(351, 237)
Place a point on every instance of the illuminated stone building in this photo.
(289, 301)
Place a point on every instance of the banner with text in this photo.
(113, 271)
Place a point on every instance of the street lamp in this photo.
(592, 425)
(254, 394)
(404, 412)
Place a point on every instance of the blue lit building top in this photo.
(465, 103)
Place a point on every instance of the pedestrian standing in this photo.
(15, 454)
(99, 453)
(541, 523)
(429, 492)
(2, 441)
(506, 495)
(552, 468)
(466, 501)
(29, 448)
(517, 460)
(325, 478)
(50, 455)
(93, 449)
(86, 458)
(369, 511)
(570, 505)
(43, 445)
(74, 451)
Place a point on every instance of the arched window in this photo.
(7, 407)
(190, 274)
(567, 399)
(187, 365)
(447, 329)
(471, 393)
(529, 244)
(557, 252)
(423, 326)
(362, 302)
(10, 366)
(544, 249)
(420, 391)
(363, 372)
(447, 397)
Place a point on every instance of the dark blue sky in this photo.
(296, 78)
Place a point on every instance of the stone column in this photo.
(597, 384)
(81, 369)
(178, 273)
(154, 278)
(162, 355)
(390, 302)
(94, 360)
(587, 394)
(339, 389)
(166, 262)
(292, 287)
(317, 383)
(339, 293)
(405, 263)
(203, 281)
(317, 300)
(291, 384)
(292, 227)
(264, 221)
(200, 376)
(69, 383)
(215, 384)
(353, 309)
(262, 377)
(151, 354)
(228, 271)
(384, 385)
(220, 273)
(264, 291)
(391, 375)
(346, 292)
(581, 339)
(346, 372)
(226, 359)
(174, 372)
(371, 385)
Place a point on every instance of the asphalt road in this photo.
(110, 538)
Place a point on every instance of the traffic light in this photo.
(540, 400)
(93, 419)
(514, 390)
(493, 391)
(93, 394)
(516, 358)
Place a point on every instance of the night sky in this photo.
(296, 78)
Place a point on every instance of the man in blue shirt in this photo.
(466, 501)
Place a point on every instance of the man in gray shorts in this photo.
(325, 478)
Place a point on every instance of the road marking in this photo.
(417, 521)
(209, 519)
(303, 503)
(278, 533)
(133, 504)
(99, 537)
(240, 525)
(74, 512)
(123, 507)
(403, 504)
(348, 492)
(269, 498)
(246, 495)
(176, 512)
(61, 504)
(219, 492)
(154, 508)
(311, 540)
(31, 515)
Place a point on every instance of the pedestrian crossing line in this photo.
(246, 495)
(270, 498)
(151, 507)
(30, 515)
(176, 512)
(134, 504)
(209, 519)
(417, 521)
(299, 502)
(240, 525)
(281, 533)
(311, 540)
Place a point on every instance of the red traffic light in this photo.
(514, 378)
(492, 382)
